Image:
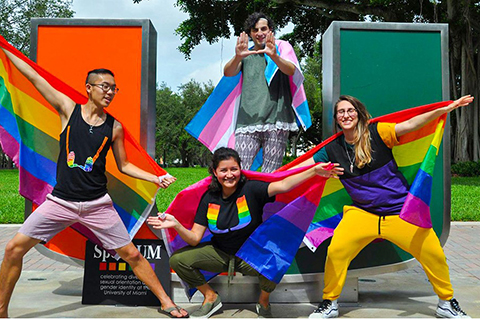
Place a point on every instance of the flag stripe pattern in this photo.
(29, 134)
(214, 124)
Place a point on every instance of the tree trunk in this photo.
(461, 144)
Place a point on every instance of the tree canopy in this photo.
(174, 112)
(15, 18)
(210, 20)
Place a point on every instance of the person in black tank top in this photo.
(378, 191)
(87, 135)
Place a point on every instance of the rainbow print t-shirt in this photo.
(232, 220)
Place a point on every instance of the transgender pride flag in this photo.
(214, 124)
(29, 133)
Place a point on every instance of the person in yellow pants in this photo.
(347, 242)
(378, 191)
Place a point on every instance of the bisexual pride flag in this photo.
(311, 211)
(29, 134)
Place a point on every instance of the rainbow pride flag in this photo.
(416, 150)
(291, 211)
(29, 134)
(311, 211)
(214, 124)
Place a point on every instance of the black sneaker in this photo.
(326, 309)
(450, 309)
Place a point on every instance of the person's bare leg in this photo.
(209, 295)
(12, 268)
(264, 298)
(145, 273)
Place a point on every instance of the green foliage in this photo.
(466, 169)
(312, 70)
(174, 112)
(185, 177)
(465, 194)
(211, 20)
(12, 205)
(15, 18)
(465, 198)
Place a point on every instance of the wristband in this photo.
(161, 178)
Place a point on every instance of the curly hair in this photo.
(219, 155)
(252, 20)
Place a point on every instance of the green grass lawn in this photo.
(465, 198)
(465, 194)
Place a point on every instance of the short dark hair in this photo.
(222, 154)
(252, 20)
(97, 72)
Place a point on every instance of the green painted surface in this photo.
(388, 71)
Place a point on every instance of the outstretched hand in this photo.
(329, 170)
(162, 221)
(241, 49)
(270, 48)
(460, 102)
(165, 181)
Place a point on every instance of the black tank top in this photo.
(81, 162)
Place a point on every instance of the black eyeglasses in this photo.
(106, 87)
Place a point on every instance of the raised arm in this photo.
(165, 221)
(271, 50)
(63, 104)
(128, 168)
(233, 67)
(422, 119)
(327, 170)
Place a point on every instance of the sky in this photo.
(206, 61)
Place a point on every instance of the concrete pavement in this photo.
(53, 290)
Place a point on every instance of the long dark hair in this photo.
(219, 155)
(363, 148)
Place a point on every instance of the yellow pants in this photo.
(358, 228)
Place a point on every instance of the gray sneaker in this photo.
(264, 312)
(207, 309)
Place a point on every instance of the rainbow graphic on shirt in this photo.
(212, 217)
(244, 217)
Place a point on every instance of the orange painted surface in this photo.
(70, 243)
(69, 52)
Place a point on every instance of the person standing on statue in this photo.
(265, 116)
(80, 194)
(258, 102)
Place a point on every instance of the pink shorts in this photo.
(98, 215)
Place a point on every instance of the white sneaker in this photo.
(326, 309)
(450, 309)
